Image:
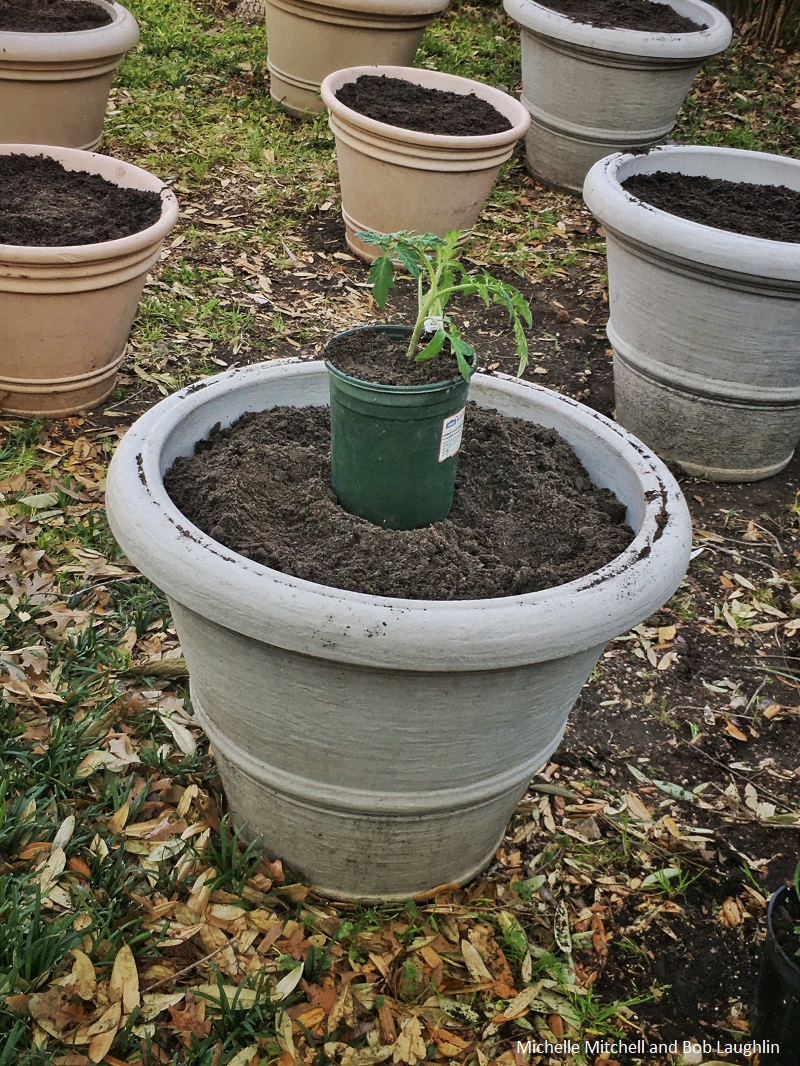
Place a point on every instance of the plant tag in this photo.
(452, 428)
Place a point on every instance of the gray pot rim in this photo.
(695, 44)
(330, 623)
(631, 219)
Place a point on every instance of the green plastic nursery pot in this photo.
(394, 448)
(776, 1025)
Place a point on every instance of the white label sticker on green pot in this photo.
(452, 428)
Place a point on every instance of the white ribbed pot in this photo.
(396, 179)
(309, 40)
(379, 746)
(54, 86)
(66, 312)
(705, 324)
(591, 91)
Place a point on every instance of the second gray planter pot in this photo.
(592, 90)
(379, 745)
(705, 323)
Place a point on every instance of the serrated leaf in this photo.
(381, 276)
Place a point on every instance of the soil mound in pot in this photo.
(647, 15)
(378, 358)
(45, 205)
(51, 16)
(769, 211)
(525, 517)
(415, 107)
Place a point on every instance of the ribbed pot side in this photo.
(379, 746)
(67, 312)
(308, 41)
(705, 323)
(54, 86)
(397, 179)
(593, 91)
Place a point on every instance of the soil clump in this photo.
(525, 517)
(45, 205)
(51, 16)
(415, 107)
(626, 15)
(768, 211)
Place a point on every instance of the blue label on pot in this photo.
(452, 428)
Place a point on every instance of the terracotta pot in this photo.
(396, 179)
(705, 323)
(592, 91)
(67, 311)
(380, 745)
(54, 86)
(309, 40)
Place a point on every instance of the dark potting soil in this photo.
(786, 925)
(415, 107)
(51, 16)
(44, 205)
(646, 15)
(373, 356)
(525, 516)
(770, 211)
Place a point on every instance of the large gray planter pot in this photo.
(593, 91)
(379, 746)
(705, 324)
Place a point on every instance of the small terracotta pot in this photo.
(309, 40)
(54, 86)
(397, 179)
(67, 311)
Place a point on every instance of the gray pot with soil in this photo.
(57, 64)
(704, 320)
(78, 234)
(596, 79)
(376, 742)
(411, 150)
(776, 1022)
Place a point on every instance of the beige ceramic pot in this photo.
(54, 86)
(66, 312)
(397, 179)
(308, 41)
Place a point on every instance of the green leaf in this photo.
(381, 276)
(432, 348)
